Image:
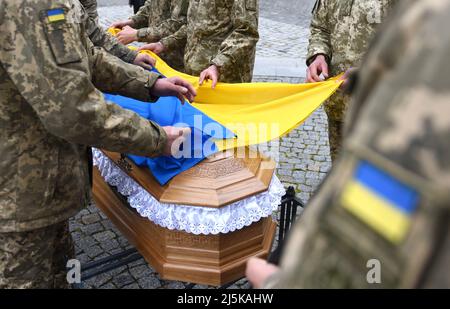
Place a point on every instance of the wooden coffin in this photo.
(177, 255)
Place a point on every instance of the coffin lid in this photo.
(222, 179)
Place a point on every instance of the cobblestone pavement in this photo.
(303, 162)
(277, 39)
(295, 12)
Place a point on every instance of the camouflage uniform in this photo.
(50, 109)
(399, 123)
(219, 32)
(37, 258)
(103, 39)
(158, 19)
(341, 30)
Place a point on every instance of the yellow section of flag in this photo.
(256, 112)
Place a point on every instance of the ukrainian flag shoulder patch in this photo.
(381, 201)
(55, 15)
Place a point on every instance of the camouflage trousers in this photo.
(37, 258)
(335, 137)
(336, 108)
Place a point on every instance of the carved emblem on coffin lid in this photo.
(219, 180)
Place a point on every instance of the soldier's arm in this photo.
(244, 36)
(103, 39)
(111, 75)
(166, 28)
(319, 41)
(140, 19)
(49, 67)
(90, 7)
(176, 40)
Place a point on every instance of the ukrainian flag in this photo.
(381, 201)
(55, 15)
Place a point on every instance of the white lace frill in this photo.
(192, 219)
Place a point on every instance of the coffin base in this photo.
(176, 255)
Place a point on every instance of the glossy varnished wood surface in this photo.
(216, 182)
(176, 255)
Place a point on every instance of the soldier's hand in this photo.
(145, 61)
(316, 68)
(174, 86)
(258, 271)
(127, 35)
(123, 23)
(346, 77)
(175, 137)
(211, 73)
(157, 48)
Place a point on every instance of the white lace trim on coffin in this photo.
(192, 219)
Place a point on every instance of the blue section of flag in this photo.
(387, 187)
(55, 12)
(168, 111)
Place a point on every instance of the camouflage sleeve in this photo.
(111, 75)
(140, 19)
(319, 41)
(49, 65)
(90, 6)
(331, 244)
(103, 39)
(175, 40)
(166, 28)
(242, 40)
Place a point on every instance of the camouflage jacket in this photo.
(160, 18)
(341, 30)
(50, 110)
(382, 217)
(220, 32)
(103, 39)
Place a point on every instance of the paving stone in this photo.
(75, 226)
(83, 212)
(104, 236)
(86, 241)
(99, 280)
(200, 287)
(108, 286)
(123, 279)
(91, 218)
(118, 270)
(108, 225)
(83, 258)
(141, 271)
(149, 283)
(246, 286)
(109, 245)
(93, 251)
(123, 241)
(137, 263)
(92, 228)
(176, 285)
(133, 286)
(92, 208)
(76, 236)
(78, 250)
